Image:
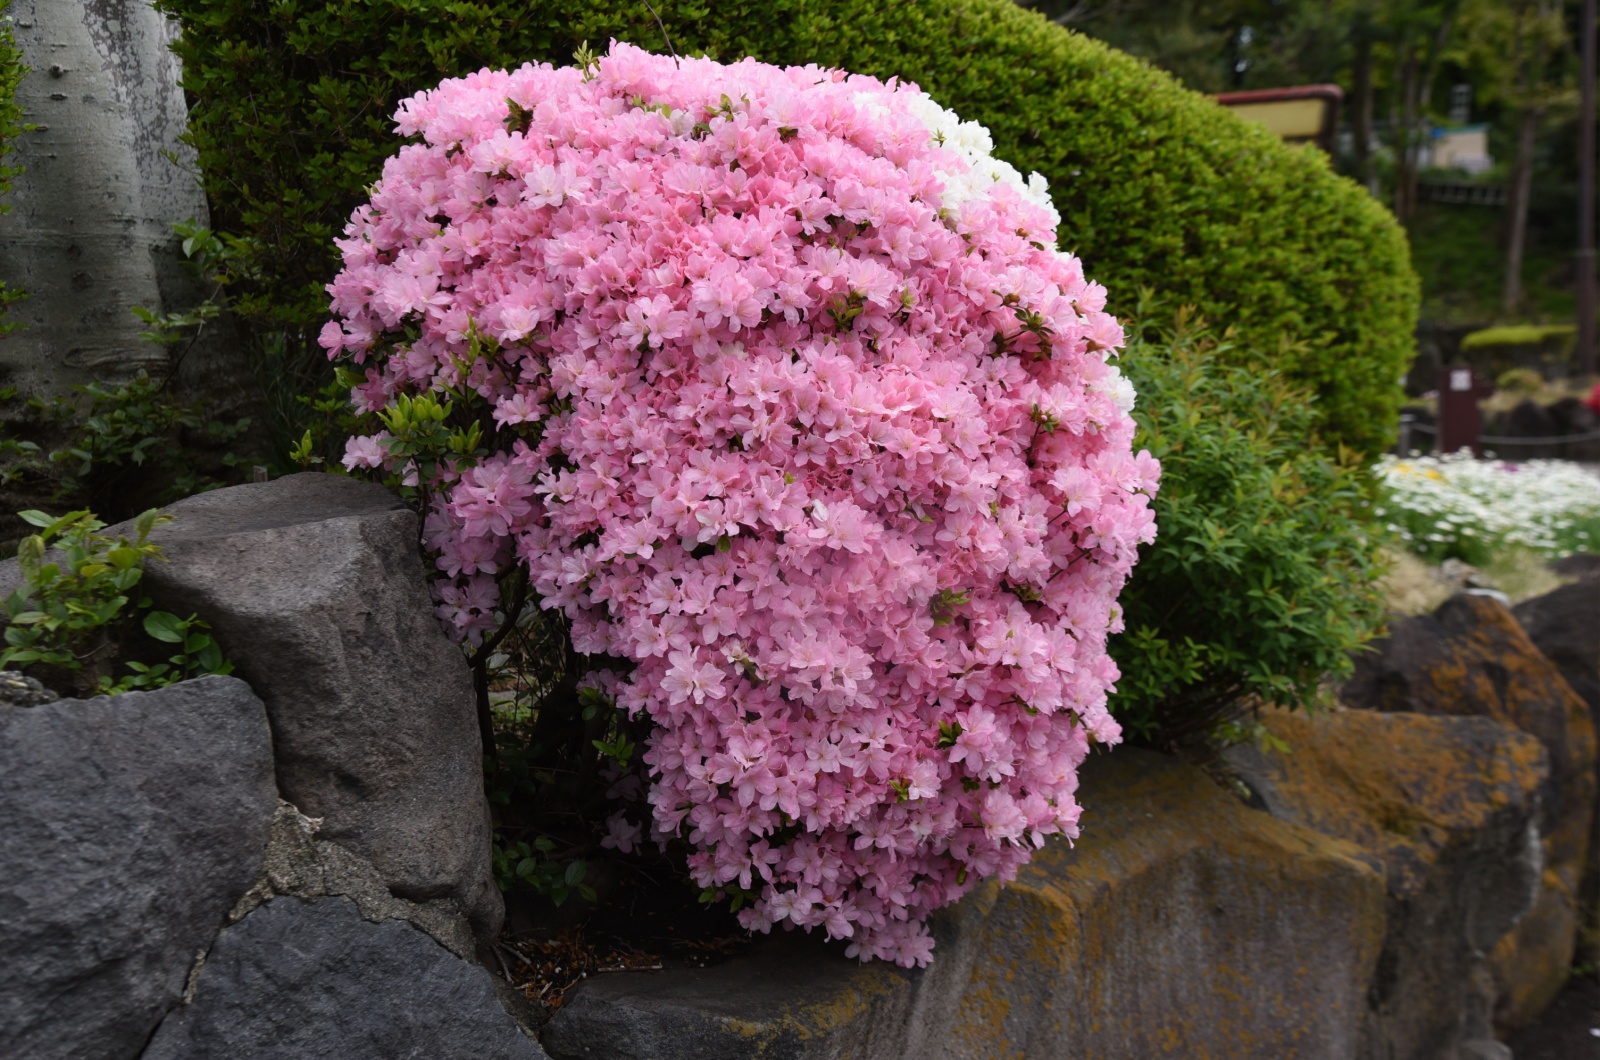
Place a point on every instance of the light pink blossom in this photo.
(771, 430)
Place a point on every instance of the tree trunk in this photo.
(1521, 193)
(1361, 104)
(1406, 143)
(1416, 83)
(103, 180)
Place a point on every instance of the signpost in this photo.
(1460, 389)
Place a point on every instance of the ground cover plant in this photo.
(1460, 507)
(775, 386)
(1159, 187)
(75, 617)
(1262, 579)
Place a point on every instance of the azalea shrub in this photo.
(774, 386)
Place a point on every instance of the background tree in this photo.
(1518, 54)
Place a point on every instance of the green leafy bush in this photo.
(115, 448)
(1158, 186)
(72, 614)
(11, 73)
(1261, 578)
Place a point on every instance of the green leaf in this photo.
(124, 557)
(165, 627)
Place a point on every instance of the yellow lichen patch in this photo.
(1399, 785)
(1177, 926)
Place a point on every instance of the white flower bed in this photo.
(1461, 506)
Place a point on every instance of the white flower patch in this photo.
(1455, 504)
(972, 143)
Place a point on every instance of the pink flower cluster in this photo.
(802, 415)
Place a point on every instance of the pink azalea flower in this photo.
(771, 434)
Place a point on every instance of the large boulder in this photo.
(1450, 806)
(1565, 624)
(295, 980)
(1471, 657)
(315, 589)
(1182, 923)
(132, 825)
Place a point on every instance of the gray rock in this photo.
(1578, 565)
(793, 997)
(1180, 924)
(1484, 1049)
(17, 690)
(1450, 806)
(299, 864)
(1472, 657)
(1565, 625)
(297, 979)
(315, 588)
(132, 824)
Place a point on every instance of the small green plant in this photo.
(539, 866)
(1263, 574)
(198, 654)
(71, 614)
(115, 448)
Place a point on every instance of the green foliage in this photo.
(1261, 579)
(1519, 335)
(115, 448)
(537, 867)
(70, 615)
(11, 74)
(197, 654)
(1157, 186)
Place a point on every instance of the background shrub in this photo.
(11, 74)
(1260, 580)
(292, 106)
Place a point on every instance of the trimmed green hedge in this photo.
(1158, 187)
(11, 74)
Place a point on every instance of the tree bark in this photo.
(1521, 193)
(1417, 78)
(1405, 181)
(1361, 103)
(103, 179)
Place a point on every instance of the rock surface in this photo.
(315, 589)
(132, 825)
(1565, 624)
(1471, 657)
(1450, 806)
(1181, 924)
(297, 863)
(297, 979)
(17, 690)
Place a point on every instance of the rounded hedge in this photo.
(1157, 186)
